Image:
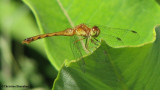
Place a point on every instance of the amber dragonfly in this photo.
(80, 30)
(90, 34)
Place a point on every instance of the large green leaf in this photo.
(54, 15)
(133, 68)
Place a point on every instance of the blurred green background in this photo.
(22, 64)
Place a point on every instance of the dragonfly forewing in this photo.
(118, 36)
(77, 51)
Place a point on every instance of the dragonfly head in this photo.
(95, 31)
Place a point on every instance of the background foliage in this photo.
(21, 64)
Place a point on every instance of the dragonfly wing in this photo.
(77, 51)
(118, 37)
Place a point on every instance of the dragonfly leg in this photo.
(86, 46)
(94, 42)
(79, 40)
(87, 43)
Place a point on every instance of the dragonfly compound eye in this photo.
(95, 31)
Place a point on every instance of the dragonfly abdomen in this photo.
(28, 40)
(67, 32)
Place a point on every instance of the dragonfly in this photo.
(80, 30)
(88, 33)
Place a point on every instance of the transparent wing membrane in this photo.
(113, 40)
(119, 37)
(77, 51)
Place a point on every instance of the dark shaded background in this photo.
(22, 64)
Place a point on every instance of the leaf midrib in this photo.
(71, 23)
